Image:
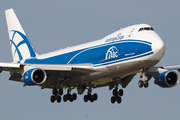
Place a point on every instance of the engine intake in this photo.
(167, 79)
(35, 76)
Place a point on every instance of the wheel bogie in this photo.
(143, 83)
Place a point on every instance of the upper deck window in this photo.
(146, 28)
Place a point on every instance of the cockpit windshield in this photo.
(146, 28)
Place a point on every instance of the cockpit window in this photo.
(146, 28)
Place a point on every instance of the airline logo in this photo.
(17, 43)
(112, 53)
(118, 38)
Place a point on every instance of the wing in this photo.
(164, 76)
(17, 71)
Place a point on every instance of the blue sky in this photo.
(52, 25)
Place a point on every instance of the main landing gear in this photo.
(89, 96)
(117, 96)
(56, 95)
(69, 97)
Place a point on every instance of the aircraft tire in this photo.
(65, 98)
(113, 99)
(60, 91)
(95, 96)
(121, 92)
(59, 99)
(85, 98)
(71, 98)
(53, 98)
(119, 100)
(54, 91)
(92, 99)
(74, 96)
(141, 83)
(115, 92)
(146, 84)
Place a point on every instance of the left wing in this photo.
(25, 72)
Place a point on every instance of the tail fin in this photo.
(20, 45)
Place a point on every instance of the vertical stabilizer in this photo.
(20, 45)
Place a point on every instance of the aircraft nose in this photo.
(158, 47)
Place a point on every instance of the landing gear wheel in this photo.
(146, 84)
(141, 83)
(121, 92)
(115, 92)
(60, 91)
(89, 96)
(113, 100)
(119, 100)
(53, 98)
(65, 98)
(71, 98)
(54, 91)
(95, 96)
(92, 99)
(59, 99)
(74, 96)
(85, 98)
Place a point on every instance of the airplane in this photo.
(110, 62)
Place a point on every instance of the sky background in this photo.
(55, 24)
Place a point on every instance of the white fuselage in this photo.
(123, 52)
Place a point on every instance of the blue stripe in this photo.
(127, 50)
(121, 60)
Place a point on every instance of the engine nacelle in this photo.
(34, 76)
(167, 79)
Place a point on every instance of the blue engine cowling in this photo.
(167, 79)
(34, 76)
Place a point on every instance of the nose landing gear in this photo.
(144, 82)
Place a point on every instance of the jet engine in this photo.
(35, 76)
(167, 79)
